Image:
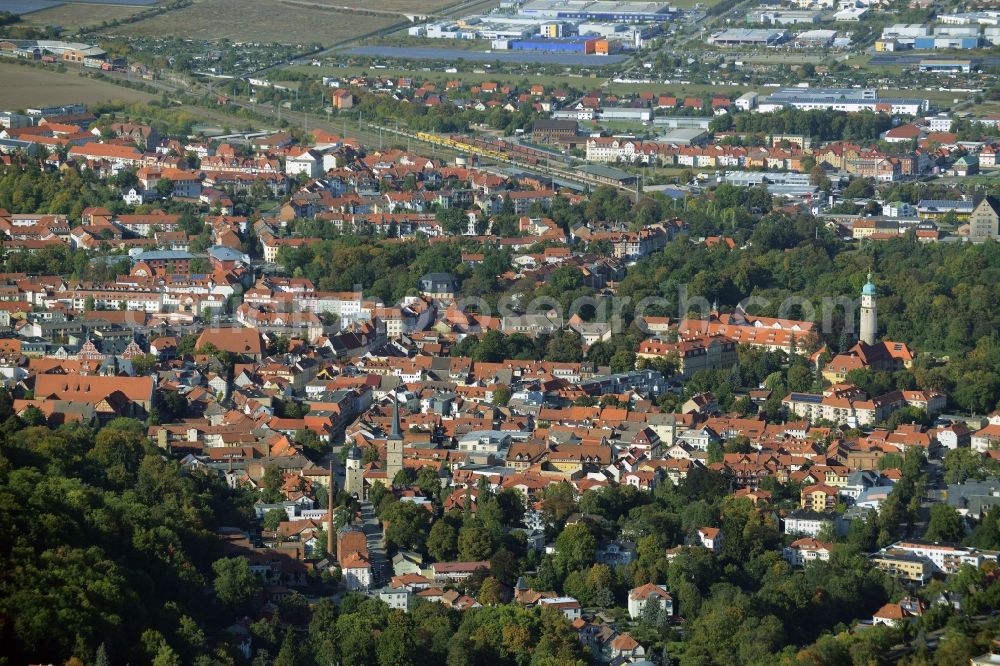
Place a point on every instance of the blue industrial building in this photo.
(946, 42)
(553, 45)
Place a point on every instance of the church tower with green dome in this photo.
(869, 319)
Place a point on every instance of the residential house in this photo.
(639, 597)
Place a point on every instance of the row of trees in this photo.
(825, 125)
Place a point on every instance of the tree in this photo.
(191, 635)
(166, 657)
(738, 444)
(623, 360)
(291, 653)
(118, 450)
(397, 645)
(818, 177)
(944, 524)
(863, 533)
(575, 548)
(377, 493)
(800, 377)
(310, 442)
(963, 463)
(564, 348)
(474, 543)
(323, 632)
(491, 592)
(101, 658)
(559, 501)
(235, 584)
(186, 345)
(271, 484)
(273, 519)
(142, 364)
(442, 541)
(501, 396)
(406, 525)
(453, 220)
(32, 416)
(401, 479)
(165, 188)
(653, 615)
(859, 188)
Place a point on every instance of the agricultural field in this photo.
(75, 15)
(281, 21)
(31, 86)
(403, 6)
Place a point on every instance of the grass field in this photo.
(436, 75)
(30, 86)
(73, 16)
(286, 22)
(677, 89)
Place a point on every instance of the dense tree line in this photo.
(66, 192)
(825, 125)
(386, 270)
(106, 545)
(415, 116)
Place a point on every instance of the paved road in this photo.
(381, 571)
(885, 59)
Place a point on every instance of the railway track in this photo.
(468, 147)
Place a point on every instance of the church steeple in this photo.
(396, 432)
(394, 444)
(869, 313)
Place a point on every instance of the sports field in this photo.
(31, 86)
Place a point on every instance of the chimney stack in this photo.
(329, 511)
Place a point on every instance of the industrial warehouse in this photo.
(597, 11)
(557, 26)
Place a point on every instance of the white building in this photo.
(710, 537)
(899, 209)
(747, 101)
(985, 438)
(808, 523)
(649, 593)
(357, 572)
(850, 100)
(569, 606)
(939, 123)
(345, 304)
(133, 197)
(807, 549)
(396, 598)
(484, 441)
(945, 557)
(306, 161)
